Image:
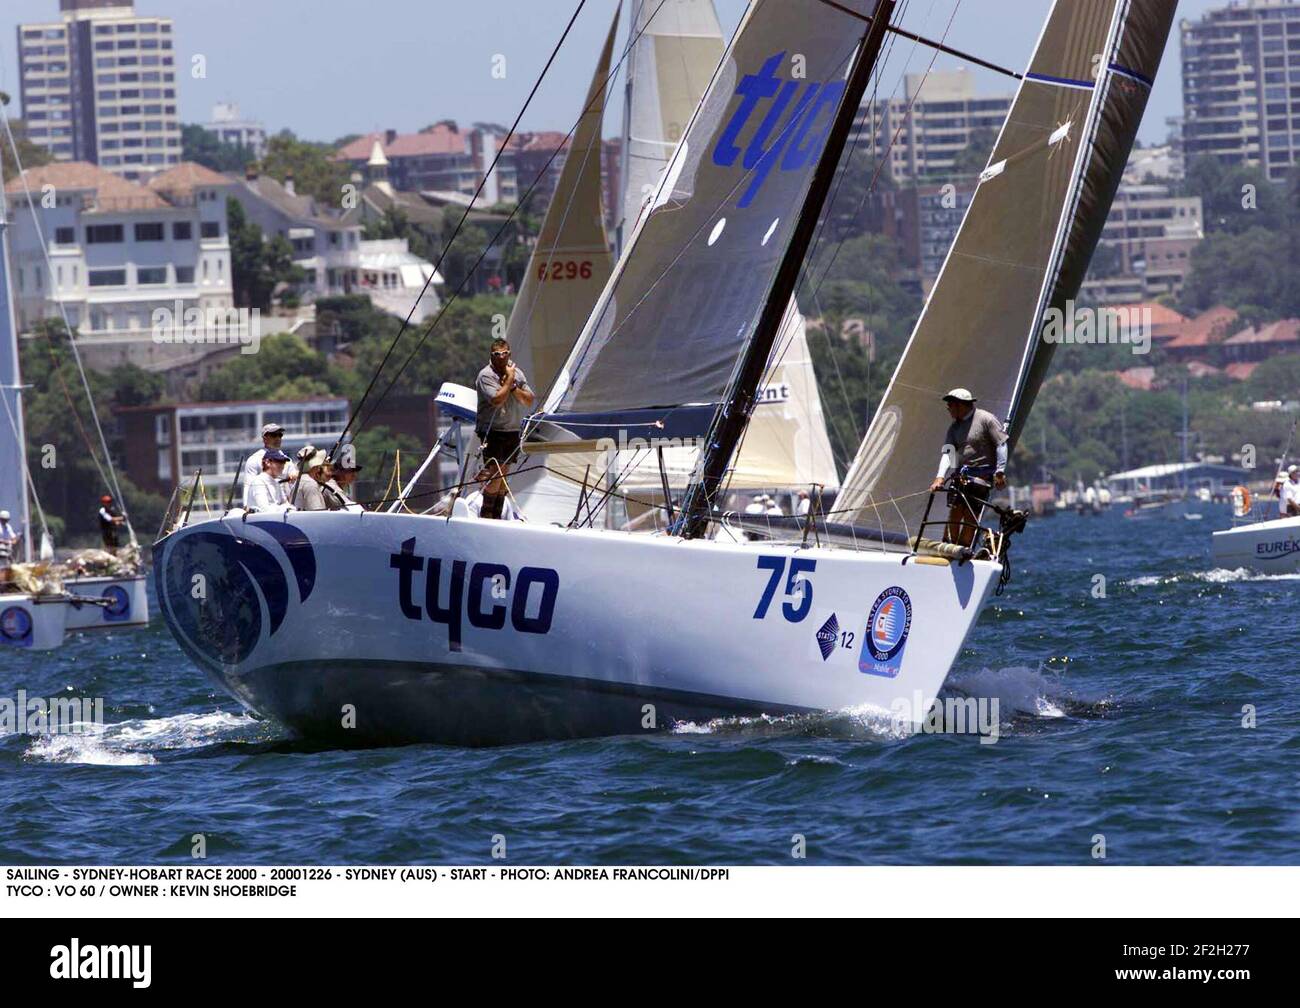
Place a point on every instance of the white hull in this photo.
(32, 623)
(1272, 547)
(539, 632)
(127, 597)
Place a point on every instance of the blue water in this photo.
(1121, 717)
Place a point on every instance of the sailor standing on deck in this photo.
(975, 450)
(272, 439)
(109, 520)
(8, 540)
(1288, 502)
(503, 395)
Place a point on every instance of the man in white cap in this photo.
(1288, 503)
(272, 438)
(309, 495)
(975, 449)
(8, 540)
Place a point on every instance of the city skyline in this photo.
(393, 83)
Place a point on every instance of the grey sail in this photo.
(660, 347)
(1022, 248)
(677, 46)
(571, 261)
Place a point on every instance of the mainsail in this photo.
(1022, 249)
(676, 50)
(571, 262)
(701, 269)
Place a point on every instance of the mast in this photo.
(731, 420)
(13, 444)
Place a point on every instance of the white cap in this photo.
(960, 394)
(1291, 470)
(4, 515)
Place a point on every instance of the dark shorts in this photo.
(976, 492)
(500, 446)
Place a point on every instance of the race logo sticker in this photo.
(888, 626)
(827, 636)
(16, 627)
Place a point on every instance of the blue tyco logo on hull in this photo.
(466, 589)
(792, 132)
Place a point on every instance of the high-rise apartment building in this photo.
(937, 118)
(1241, 85)
(99, 86)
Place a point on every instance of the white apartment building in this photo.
(229, 127)
(99, 86)
(325, 246)
(118, 251)
(1241, 85)
(945, 113)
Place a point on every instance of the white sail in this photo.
(571, 261)
(668, 68)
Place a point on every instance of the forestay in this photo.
(1023, 247)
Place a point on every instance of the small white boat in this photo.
(1258, 541)
(121, 602)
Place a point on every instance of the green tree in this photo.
(32, 155)
(314, 171)
(204, 147)
(257, 266)
(284, 367)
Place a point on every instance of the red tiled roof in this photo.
(81, 175)
(1211, 326)
(438, 139)
(186, 177)
(1241, 370)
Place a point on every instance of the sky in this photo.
(404, 64)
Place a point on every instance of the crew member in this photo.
(8, 540)
(110, 518)
(975, 450)
(345, 475)
(474, 502)
(503, 395)
(315, 490)
(272, 437)
(1288, 502)
(266, 491)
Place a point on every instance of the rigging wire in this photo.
(523, 200)
(501, 149)
(110, 479)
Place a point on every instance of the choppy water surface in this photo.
(1120, 716)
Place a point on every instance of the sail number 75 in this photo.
(798, 589)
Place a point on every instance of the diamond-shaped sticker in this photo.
(827, 636)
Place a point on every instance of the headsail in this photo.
(677, 49)
(571, 262)
(1023, 247)
(661, 347)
